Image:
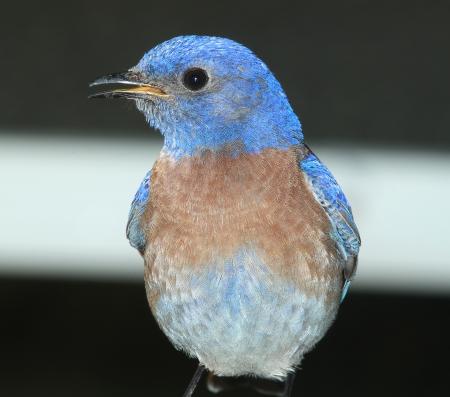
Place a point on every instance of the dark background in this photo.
(369, 72)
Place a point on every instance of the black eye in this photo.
(195, 79)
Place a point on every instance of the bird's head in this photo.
(208, 93)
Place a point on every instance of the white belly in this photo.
(242, 319)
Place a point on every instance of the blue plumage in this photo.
(245, 102)
(332, 198)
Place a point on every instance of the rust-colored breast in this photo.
(207, 207)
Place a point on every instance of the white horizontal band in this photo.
(64, 205)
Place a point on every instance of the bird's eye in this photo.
(195, 79)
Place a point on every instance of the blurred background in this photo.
(370, 82)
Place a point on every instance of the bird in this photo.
(248, 241)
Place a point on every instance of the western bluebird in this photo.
(249, 242)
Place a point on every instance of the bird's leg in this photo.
(194, 381)
(288, 386)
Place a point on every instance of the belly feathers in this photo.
(238, 317)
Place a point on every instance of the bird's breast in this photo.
(205, 209)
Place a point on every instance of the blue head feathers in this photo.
(213, 93)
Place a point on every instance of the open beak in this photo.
(132, 85)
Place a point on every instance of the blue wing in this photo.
(135, 233)
(329, 194)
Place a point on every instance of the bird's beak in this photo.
(133, 85)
